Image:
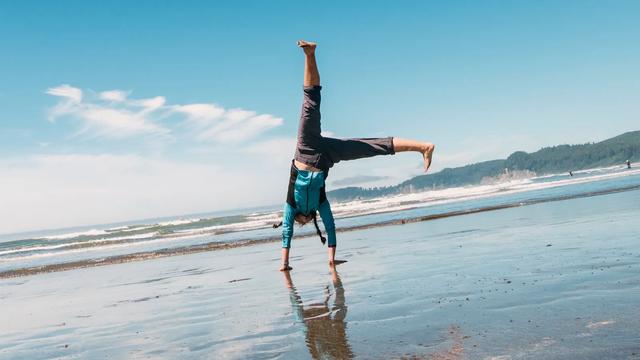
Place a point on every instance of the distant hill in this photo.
(555, 159)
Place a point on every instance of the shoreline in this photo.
(214, 246)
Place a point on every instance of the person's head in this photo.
(303, 219)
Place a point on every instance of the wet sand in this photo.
(554, 280)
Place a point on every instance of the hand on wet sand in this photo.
(285, 267)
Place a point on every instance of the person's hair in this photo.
(307, 218)
(303, 219)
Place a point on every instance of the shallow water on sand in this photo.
(556, 280)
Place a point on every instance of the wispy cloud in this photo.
(211, 122)
(237, 125)
(66, 91)
(114, 95)
(203, 114)
(114, 114)
(109, 114)
(70, 100)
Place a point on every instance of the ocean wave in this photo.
(80, 248)
(88, 243)
(178, 222)
(464, 193)
(92, 232)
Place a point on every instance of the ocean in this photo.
(135, 240)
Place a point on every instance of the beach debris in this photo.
(238, 280)
(549, 245)
(599, 324)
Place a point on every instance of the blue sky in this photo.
(117, 110)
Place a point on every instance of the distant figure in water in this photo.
(570, 173)
(316, 154)
(628, 164)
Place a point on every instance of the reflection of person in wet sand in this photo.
(324, 327)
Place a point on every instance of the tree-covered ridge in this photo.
(547, 160)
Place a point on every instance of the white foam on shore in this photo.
(251, 224)
(108, 246)
(92, 232)
(126, 228)
(457, 194)
(178, 222)
(76, 243)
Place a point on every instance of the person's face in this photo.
(303, 219)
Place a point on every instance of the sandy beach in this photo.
(557, 280)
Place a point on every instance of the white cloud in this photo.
(113, 114)
(114, 95)
(116, 119)
(215, 124)
(201, 113)
(72, 93)
(117, 123)
(71, 98)
(239, 125)
(150, 104)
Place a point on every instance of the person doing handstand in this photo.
(316, 154)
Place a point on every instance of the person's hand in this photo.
(285, 267)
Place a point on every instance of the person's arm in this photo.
(287, 225)
(287, 232)
(329, 223)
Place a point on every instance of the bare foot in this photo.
(308, 47)
(285, 267)
(428, 153)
